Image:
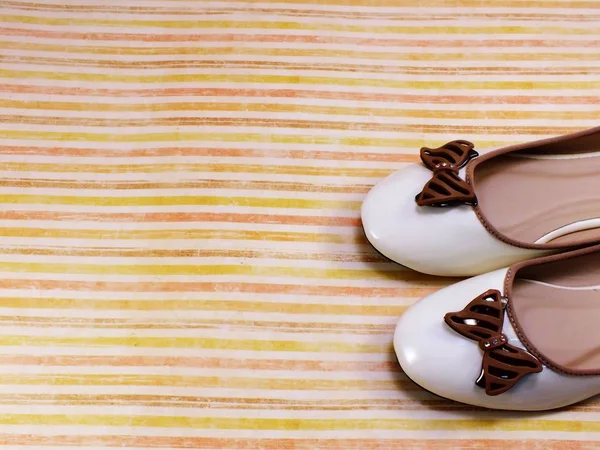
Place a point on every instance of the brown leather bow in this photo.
(445, 187)
(503, 364)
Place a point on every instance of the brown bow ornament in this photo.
(446, 188)
(503, 364)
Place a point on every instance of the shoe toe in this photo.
(389, 212)
(447, 241)
(431, 353)
(448, 364)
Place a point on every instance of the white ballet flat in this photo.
(524, 338)
(460, 214)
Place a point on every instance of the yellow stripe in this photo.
(295, 424)
(198, 343)
(180, 200)
(226, 137)
(207, 137)
(298, 80)
(298, 108)
(197, 270)
(289, 25)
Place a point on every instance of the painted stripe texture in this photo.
(182, 263)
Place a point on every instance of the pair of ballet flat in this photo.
(524, 332)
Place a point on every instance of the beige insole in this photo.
(528, 197)
(558, 308)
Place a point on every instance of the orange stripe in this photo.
(303, 38)
(201, 443)
(292, 124)
(204, 305)
(330, 67)
(256, 288)
(183, 217)
(233, 403)
(206, 151)
(203, 184)
(192, 381)
(161, 10)
(298, 93)
(199, 234)
(431, 3)
(301, 170)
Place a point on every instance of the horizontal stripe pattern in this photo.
(182, 263)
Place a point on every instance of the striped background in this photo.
(182, 263)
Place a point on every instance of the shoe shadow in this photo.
(419, 398)
(391, 270)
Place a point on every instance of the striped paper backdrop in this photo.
(182, 262)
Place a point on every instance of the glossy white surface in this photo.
(439, 241)
(447, 364)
